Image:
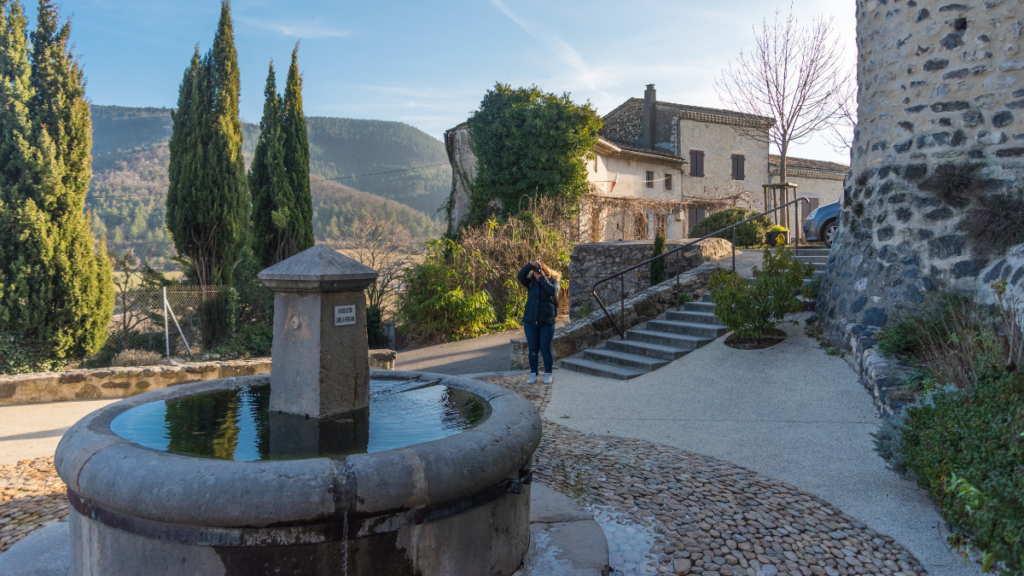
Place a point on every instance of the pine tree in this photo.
(208, 203)
(272, 197)
(56, 294)
(296, 157)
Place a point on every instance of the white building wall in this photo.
(719, 142)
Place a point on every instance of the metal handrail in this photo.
(677, 251)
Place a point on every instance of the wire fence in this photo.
(171, 321)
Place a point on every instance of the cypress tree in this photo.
(296, 157)
(269, 182)
(208, 203)
(56, 294)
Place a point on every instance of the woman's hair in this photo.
(554, 275)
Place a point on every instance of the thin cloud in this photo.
(565, 51)
(312, 29)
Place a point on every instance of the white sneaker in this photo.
(533, 378)
(547, 378)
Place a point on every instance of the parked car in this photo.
(822, 224)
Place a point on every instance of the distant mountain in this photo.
(130, 158)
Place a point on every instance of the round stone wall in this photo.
(941, 104)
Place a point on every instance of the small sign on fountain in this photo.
(319, 365)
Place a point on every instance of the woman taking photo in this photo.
(542, 287)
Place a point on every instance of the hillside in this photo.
(130, 157)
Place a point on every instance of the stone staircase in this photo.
(816, 256)
(660, 342)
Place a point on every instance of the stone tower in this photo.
(941, 128)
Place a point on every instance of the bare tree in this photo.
(793, 76)
(386, 247)
(842, 132)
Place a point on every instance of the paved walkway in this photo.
(488, 353)
(33, 430)
(790, 412)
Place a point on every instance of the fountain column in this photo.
(319, 357)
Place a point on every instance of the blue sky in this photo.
(428, 64)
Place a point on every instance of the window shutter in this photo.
(700, 157)
(650, 179)
(697, 163)
(741, 162)
(668, 181)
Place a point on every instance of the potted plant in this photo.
(774, 234)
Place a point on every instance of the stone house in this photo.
(664, 165)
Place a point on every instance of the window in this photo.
(738, 167)
(697, 163)
(650, 179)
(693, 216)
(668, 181)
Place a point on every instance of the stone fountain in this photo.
(326, 476)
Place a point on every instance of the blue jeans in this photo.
(539, 340)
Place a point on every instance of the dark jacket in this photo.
(541, 299)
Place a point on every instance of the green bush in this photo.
(813, 289)
(966, 448)
(250, 341)
(376, 337)
(444, 297)
(658, 266)
(749, 234)
(753, 308)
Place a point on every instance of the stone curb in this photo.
(125, 382)
(105, 469)
(877, 373)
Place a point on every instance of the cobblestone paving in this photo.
(31, 495)
(707, 516)
(666, 511)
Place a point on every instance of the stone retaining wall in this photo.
(591, 262)
(595, 328)
(877, 373)
(122, 382)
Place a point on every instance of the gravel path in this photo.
(706, 516)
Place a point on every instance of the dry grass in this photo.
(995, 223)
(136, 358)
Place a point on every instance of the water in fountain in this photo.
(238, 425)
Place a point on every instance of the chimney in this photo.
(648, 117)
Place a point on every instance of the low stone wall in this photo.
(591, 262)
(877, 373)
(114, 383)
(595, 328)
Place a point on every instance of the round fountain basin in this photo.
(237, 424)
(226, 492)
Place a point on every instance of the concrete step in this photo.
(680, 341)
(708, 307)
(706, 297)
(813, 259)
(700, 330)
(600, 369)
(693, 317)
(624, 359)
(812, 252)
(647, 349)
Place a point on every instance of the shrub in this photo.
(953, 181)
(753, 308)
(966, 448)
(658, 266)
(813, 289)
(994, 223)
(444, 296)
(376, 337)
(136, 358)
(749, 234)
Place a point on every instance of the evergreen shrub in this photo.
(658, 266)
(377, 338)
(752, 308)
(966, 448)
(750, 234)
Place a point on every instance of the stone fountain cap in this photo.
(318, 269)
